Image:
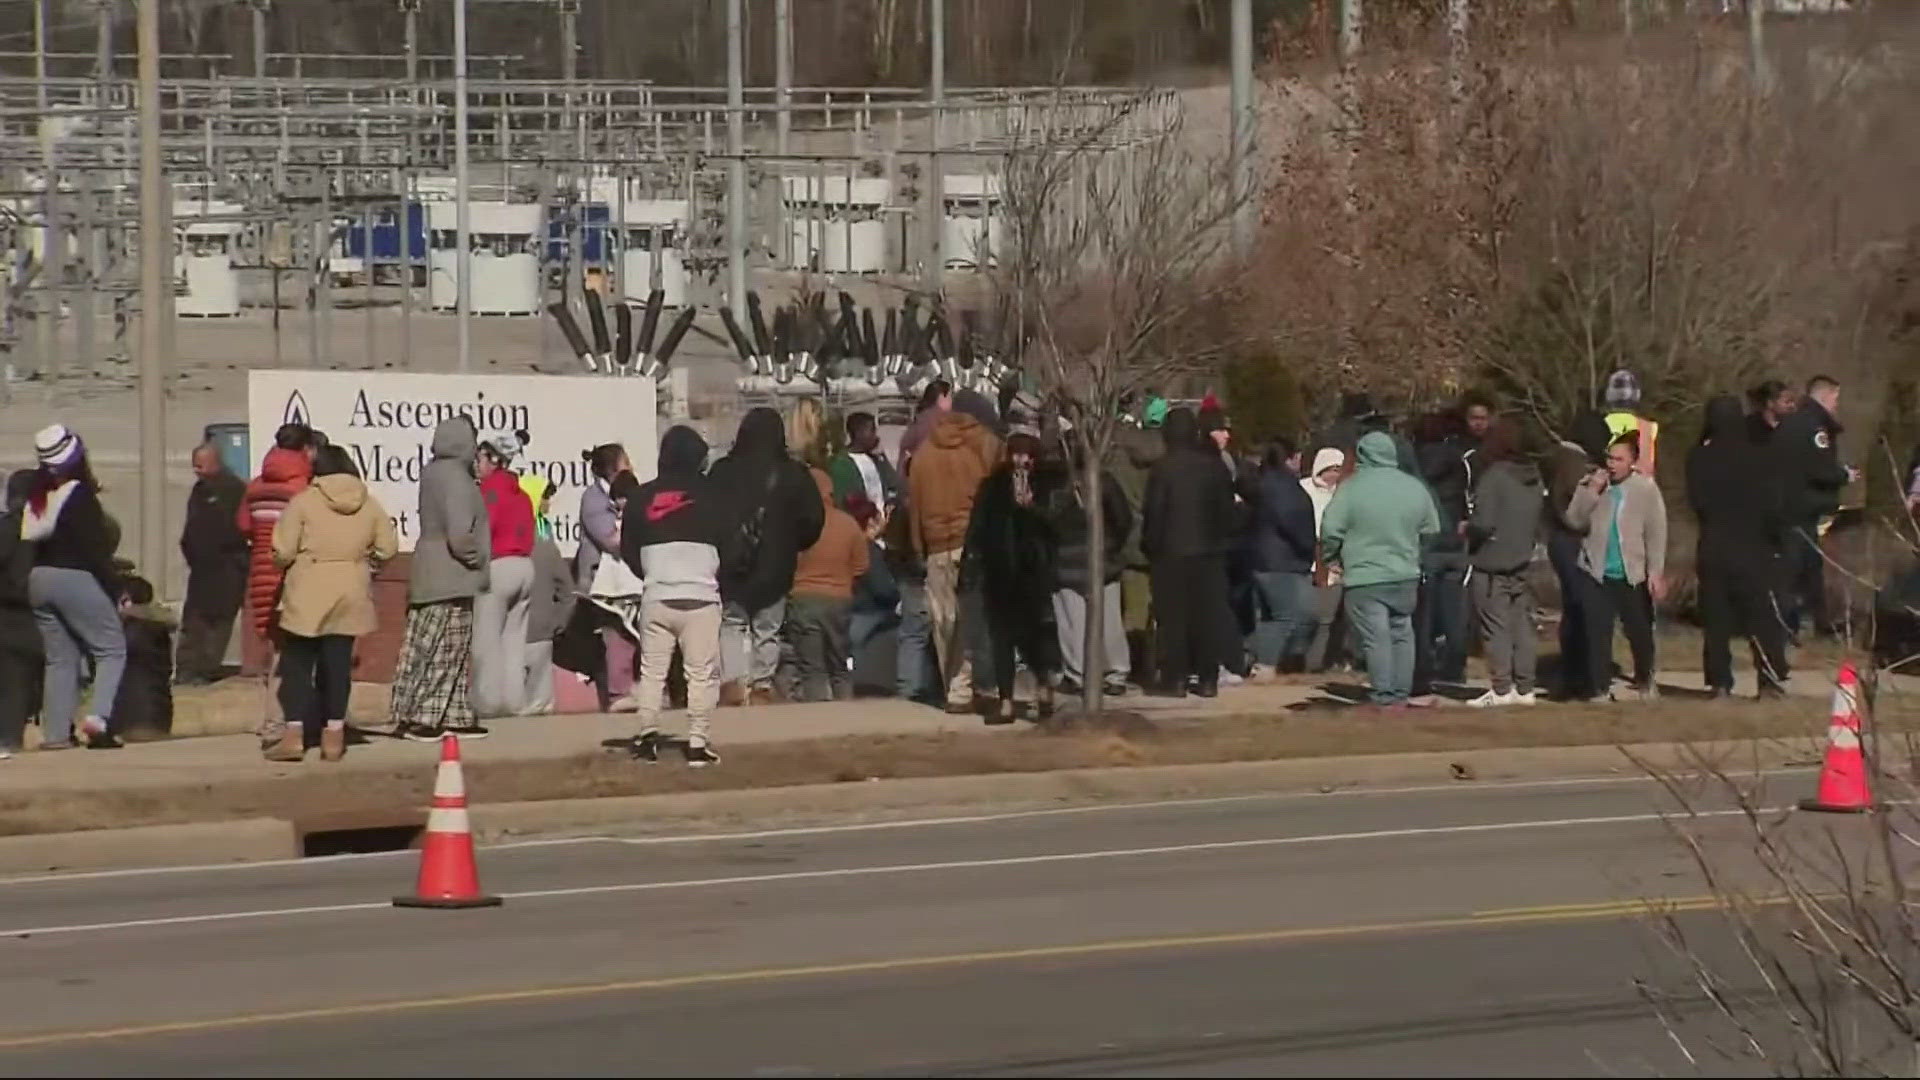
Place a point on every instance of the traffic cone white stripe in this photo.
(448, 819)
(1843, 736)
(448, 783)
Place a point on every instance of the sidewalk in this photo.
(213, 759)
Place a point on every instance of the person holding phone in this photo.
(1623, 518)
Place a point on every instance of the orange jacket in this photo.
(829, 567)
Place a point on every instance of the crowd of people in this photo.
(939, 573)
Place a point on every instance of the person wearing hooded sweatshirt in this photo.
(1012, 558)
(819, 612)
(1571, 462)
(1284, 543)
(1624, 518)
(73, 588)
(1500, 535)
(500, 611)
(676, 528)
(449, 569)
(777, 514)
(942, 483)
(330, 541)
(600, 538)
(1374, 528)
(1186, 526)
(1329, 624)
(1742, 528)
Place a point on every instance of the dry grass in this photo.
(320, 796)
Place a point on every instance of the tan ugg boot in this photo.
(333, 743)
(291, 747)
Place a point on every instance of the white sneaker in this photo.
(1228, 678)
(626, 703)
(1491, 700)
(1528, 698)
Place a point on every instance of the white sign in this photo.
(386, 421)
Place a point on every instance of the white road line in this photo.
(874, 826)
(900, 868)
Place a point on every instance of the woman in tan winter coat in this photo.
(329, 540)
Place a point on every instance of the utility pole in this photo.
(156, 250)
(1459, 18)
(936, 105)
(462, 192)
(1757, 67)
(260, 37)
(47, 321)
(1241, 105)
(411, 9)
(737, 211)
(782, 73)
(103, 41)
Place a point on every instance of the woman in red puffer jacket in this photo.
(285, 472)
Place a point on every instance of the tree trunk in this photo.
(1093, 668)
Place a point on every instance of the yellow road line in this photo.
(1517, 916)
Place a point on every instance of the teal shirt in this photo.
(1616, 562)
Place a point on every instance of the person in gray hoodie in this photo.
(1501, 534)
(449, 569)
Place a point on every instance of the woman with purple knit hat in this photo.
(74, 591)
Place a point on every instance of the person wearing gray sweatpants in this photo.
(73, 589)
(1501, 536)
(500, 637)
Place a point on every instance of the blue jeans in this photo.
(1382, 620)
(1284, 630)
(750, 644)
(915, 676)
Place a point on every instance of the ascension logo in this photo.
(296, 411)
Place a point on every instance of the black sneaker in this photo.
(418, 732)
(646, 747)
(1069, 686)
(701, 755)
(1114, 689)
(1207, 688)
(467, 731)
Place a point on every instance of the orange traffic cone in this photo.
(1843, 778)
(448, 876)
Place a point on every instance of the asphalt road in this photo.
(1476, 929)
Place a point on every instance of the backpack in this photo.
(743, 548)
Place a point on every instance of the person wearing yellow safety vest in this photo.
(1622, 399)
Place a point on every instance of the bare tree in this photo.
(1115, 255)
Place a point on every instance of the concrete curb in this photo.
(787, 806)
(244, 840)
(267, 839)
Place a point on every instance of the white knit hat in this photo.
(56, 446)
(1329, 457)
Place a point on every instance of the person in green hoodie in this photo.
(1374, 528)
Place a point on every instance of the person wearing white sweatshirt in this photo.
(1329, 466)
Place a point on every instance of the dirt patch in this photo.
(319, 796)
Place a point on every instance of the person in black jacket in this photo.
(216, 552)
(1186, 526)
(1446, 453)
(143, 710)
(1806, 455)
(776, 514)
(1771, 403)
(674, 534)
(21, 658)
(1741, 531)
(1011, 555)
(74, 589)
(1066, 510)
(1284, 545)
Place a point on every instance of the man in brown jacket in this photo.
(819, 610)
(942, 481)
